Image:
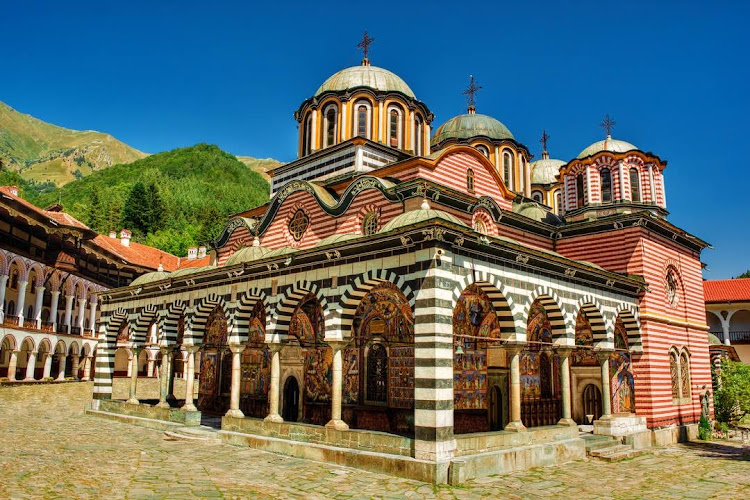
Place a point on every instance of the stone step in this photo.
(617, 457)
(201, 433)
(611, 450)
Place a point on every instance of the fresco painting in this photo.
(621, 372)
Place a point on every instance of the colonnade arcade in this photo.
(29, 357)
(352, 363)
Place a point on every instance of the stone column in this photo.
(336, 387)
(47, 365)
(68, 311)
(3, 285)
(164, 377)
(172, 354)
(76, 365)
(150, 365)
(61, 366)
(13, 364)
(565, 386)
(725, 331)
(234, 400)
(92, 316)
(53, 310)
(606, 396)
(515, 424)
(81, 315)
(87, 367)
(133, 400)
(274, 388)
(38, 306)
(190, 379)
(21, 300)
(130, 363)
(30, 366)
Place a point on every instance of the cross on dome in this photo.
(364, 45)
(471, 93)
(543, 142)
(608, 124)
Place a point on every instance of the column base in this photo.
(163, 404)
(515, 426)
(189, 407)
(569, 422)
(235, 414)
(276, 418)
(339, 425)
(133, 401)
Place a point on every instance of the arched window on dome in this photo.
(483, 149)
(395, 127)
(522, 176)
(508, 170)
(363, 118)
(470, 180)
(606, 183)
(330, 125)
(418, 135)
(580, 195)
(635, 186)
(537, 196)
(558, 202)
(307, 135)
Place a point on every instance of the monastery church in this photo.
(427, 300)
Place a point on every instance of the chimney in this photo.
(192, 253)
(13, 190)
(113, 234)
(201, 251)
(125, 237)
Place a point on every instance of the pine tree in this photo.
(154, 213)
(95, 216)
(134, 212)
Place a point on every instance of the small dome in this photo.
(713, 339)
(471, 125)
(247, 254)
(535, 211)
(416, 216)
(149, 278)
(546, 170)
(608, 144)
(190, 270)
(337, 238)
(365, 76)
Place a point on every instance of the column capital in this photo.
(237, 348)
(338, 345)
(603, 354)
(564, 351)
(514, 347)
(275, 347)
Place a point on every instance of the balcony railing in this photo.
(10, 320)
(741, 336)
(29, 324)
(75, 330)
(47, 326)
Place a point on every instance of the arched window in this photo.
(307, 135)
(635, 185)
(30, 312)
(537, 196)
(330, 125)
(522, 175)
(606, 181)
(470, 180)
(395, 125)
(370, 223)
(362, 115)
(580, 198)
(558, 202)
(480, 227)
(508, 170)
(11, 308)
(483, 149)
(14, 280)
(418, 135)
(298, 224)
(673, 374)
(684, 376)
(671, 287)
(32, 283)
(377, 374)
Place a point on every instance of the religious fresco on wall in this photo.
(584, 337)
(538, 369)
(383, 317)
(621, 372)
(256, 360)
(214, 373)
(306, 326)
(473, 316)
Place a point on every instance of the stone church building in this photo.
(429, 301)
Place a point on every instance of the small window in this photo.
(558, 202)
(483, 149)
(508, 170)
(32, 285)
(14, 281)
(635, 186)
(418, 135)
(307, 135)
(330, 126)
(362, 120)
(673, 375)
(377, 374)
(370, 223)
(480, 227)
(684, 376)
(606, 178)
(537, 197)
(671, 286)
(580, 198)
(394, 132)
(298, 225)
(470, 180)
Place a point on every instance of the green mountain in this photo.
(43, 152)
(171, 200)
(260, 165)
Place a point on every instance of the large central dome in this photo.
(365, 76)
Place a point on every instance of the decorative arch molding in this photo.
(629, 316)
(497, 293)
(73, 349)
(595, 315)
(200, 316)
(481, 214)
(171, 323)
(12, 340)
(21, 265)
(290, 299)
(359, 217)
(113, 324)
(4, 263)
(39, 275)
(146, 316)
(30, 342)
(61, 348)
(562, 328)
(86, 350)
(361, 286)
(239, 324)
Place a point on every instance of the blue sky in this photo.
(160, 75)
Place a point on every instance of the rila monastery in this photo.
(421, 298)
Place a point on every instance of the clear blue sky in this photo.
(160, 75)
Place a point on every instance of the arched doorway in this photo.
(498, 405)
(214, 384)
(290, 411)
(592, 403)
(256, 367)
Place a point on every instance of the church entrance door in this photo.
(496, 409)
(592, 402)
(291, 400)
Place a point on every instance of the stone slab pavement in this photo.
(51, 449)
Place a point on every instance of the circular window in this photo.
(298, 225)
(671, 286)
(370, 223)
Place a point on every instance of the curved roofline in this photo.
(318, 98)
(648, 156)
(499, 142)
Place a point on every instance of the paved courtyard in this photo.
(50, 449)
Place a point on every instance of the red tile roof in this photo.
(142, 255)
(736, 290)
(202, 262)
(59, 217)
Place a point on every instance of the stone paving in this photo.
(51, 449)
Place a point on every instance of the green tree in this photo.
(212, 224)
(134, 211)
(154, 209)
(732, 400)
(746, 274)
(95, 213)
